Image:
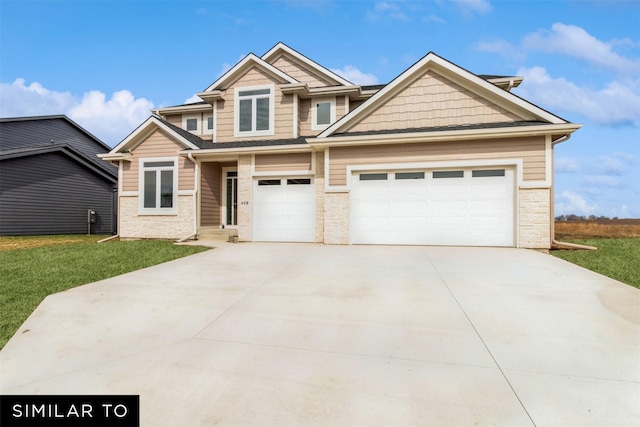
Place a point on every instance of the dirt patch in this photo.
(615, 228)
(9, 243)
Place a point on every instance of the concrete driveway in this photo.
(304, 334)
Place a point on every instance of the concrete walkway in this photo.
(304, 334)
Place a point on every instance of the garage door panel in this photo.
(283, 213)
(463, 210)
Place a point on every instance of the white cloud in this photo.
(386, 11)
(480, 6)
(564, 165)
(356, 76)
(503, 48)
(434, 18)
(108, 119)
(612, 165)
(569, 202)
(193, 99)
(603, 181)
(616, 103)
(576, 42)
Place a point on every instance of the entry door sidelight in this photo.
(231, 178)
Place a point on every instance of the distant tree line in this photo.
(573, 217)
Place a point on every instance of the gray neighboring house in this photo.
(50, 176)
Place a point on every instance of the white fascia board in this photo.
(144, 130)
(213, 152)
(308, 62)
(239, 67)
(444, 136)
(115, 157)
(188, 108)
(433, 61)
(303, 90)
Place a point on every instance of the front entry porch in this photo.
(218, 205)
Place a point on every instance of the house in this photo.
(283, 149)
(50, 177)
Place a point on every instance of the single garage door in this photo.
(284, 210)
(458, 206)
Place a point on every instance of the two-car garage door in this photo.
(459, 206)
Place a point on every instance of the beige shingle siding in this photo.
(283, 162)
(158, 144)
(283, 108)
(530, 149)
(432, 100)
(294, 70)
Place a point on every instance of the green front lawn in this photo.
(27, 276)
(615, 258)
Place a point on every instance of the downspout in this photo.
(554, 243)
(195, 194)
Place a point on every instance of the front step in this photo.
(217, 233)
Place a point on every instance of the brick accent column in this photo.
(534, 228)
(336, 218)
(244, 198)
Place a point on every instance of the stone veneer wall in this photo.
(319, 183)
(534, 228)
(132, 225)
(244, 198)
(336, 218)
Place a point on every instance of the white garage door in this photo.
(284, 210)
(465, 207)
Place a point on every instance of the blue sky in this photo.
(105, 64)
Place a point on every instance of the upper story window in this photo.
(254, 111)
(207, 124)
(191, 124)
(158, 188)
(323, 114)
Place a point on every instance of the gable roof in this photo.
(27, 136)
(282, 49)
(241, 67)
(183, 137)
(455, 73)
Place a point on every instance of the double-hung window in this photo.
(158, 186)
(254, 111)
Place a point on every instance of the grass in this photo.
(8, 243)
(28, 275)
(618, 258)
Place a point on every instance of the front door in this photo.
(230, 212)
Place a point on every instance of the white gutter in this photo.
(108, 238)
(442, 136)
(555, 243)
(184, 239)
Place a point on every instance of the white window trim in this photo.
(192, 116)
(236, 112)
(314, 114)
(157, 211)
(205, 118)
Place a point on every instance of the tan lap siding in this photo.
(530, 150)
(158, 144)
(283, 162)
(211, 193)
